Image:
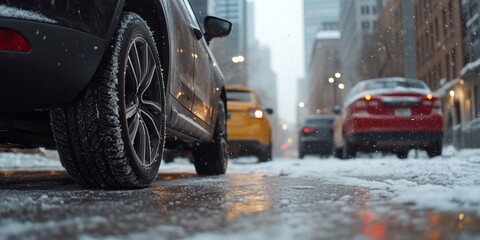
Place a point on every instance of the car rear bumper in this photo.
(315, 146)
(254, 132)
(245, 148)
(395, 140)
(60, 64)
(380, 123)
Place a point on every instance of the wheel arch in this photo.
(152, 11)
(223, 97)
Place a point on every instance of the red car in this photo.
(389, 115)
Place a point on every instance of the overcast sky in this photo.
(279, 25)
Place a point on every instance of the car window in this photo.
(393, 84)
(200, 10)
(239, 96)
(319, 121)
(194, 17)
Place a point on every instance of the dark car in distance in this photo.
(316, 136)
(109, 84)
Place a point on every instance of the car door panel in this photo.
(182, 68)
(202, 102)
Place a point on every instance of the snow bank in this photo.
(44, 159)
(450, 183)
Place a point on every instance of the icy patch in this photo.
(47, 159)
(11, 12)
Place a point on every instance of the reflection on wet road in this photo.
(47, 204)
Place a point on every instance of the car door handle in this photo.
(196, 32)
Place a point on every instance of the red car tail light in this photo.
(256, 113)
(371, 101)
(437, 106)
(360, 104)
(366, 104)
(308, 130)
(13, 41)
(433, 102)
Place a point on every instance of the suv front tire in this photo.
(112, 134)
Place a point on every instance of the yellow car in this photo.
(248, 126)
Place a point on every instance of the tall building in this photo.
(358, 19)
(323, 95)
(230, 52)
(318, 15)
(439, 40)
(383, 52)
(471, 26)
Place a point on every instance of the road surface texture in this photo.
(276, 200)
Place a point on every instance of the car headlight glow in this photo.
(256, 113)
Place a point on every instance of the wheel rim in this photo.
(143, 98)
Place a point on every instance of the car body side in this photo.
(68, 39)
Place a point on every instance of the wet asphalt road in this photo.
(48, 205)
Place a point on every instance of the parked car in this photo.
(392, 115)
(116, 81)
(316, 136)
(248, 126)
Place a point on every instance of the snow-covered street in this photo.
(371, 197)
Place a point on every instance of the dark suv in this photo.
(110, 83)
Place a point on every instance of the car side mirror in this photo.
(216, 28)
(269, 111)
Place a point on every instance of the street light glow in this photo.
(341, 86)
(331, 80)
(338, 75)
(301, 104)
(238, 59)
(284, 126)
(452, 93)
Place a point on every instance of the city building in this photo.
(324, 91)
(383, 52)
(358, 19)
(439, 40)
(471, 25)
(318, 15)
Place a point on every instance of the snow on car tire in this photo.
(112, 134)
(211, 158)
